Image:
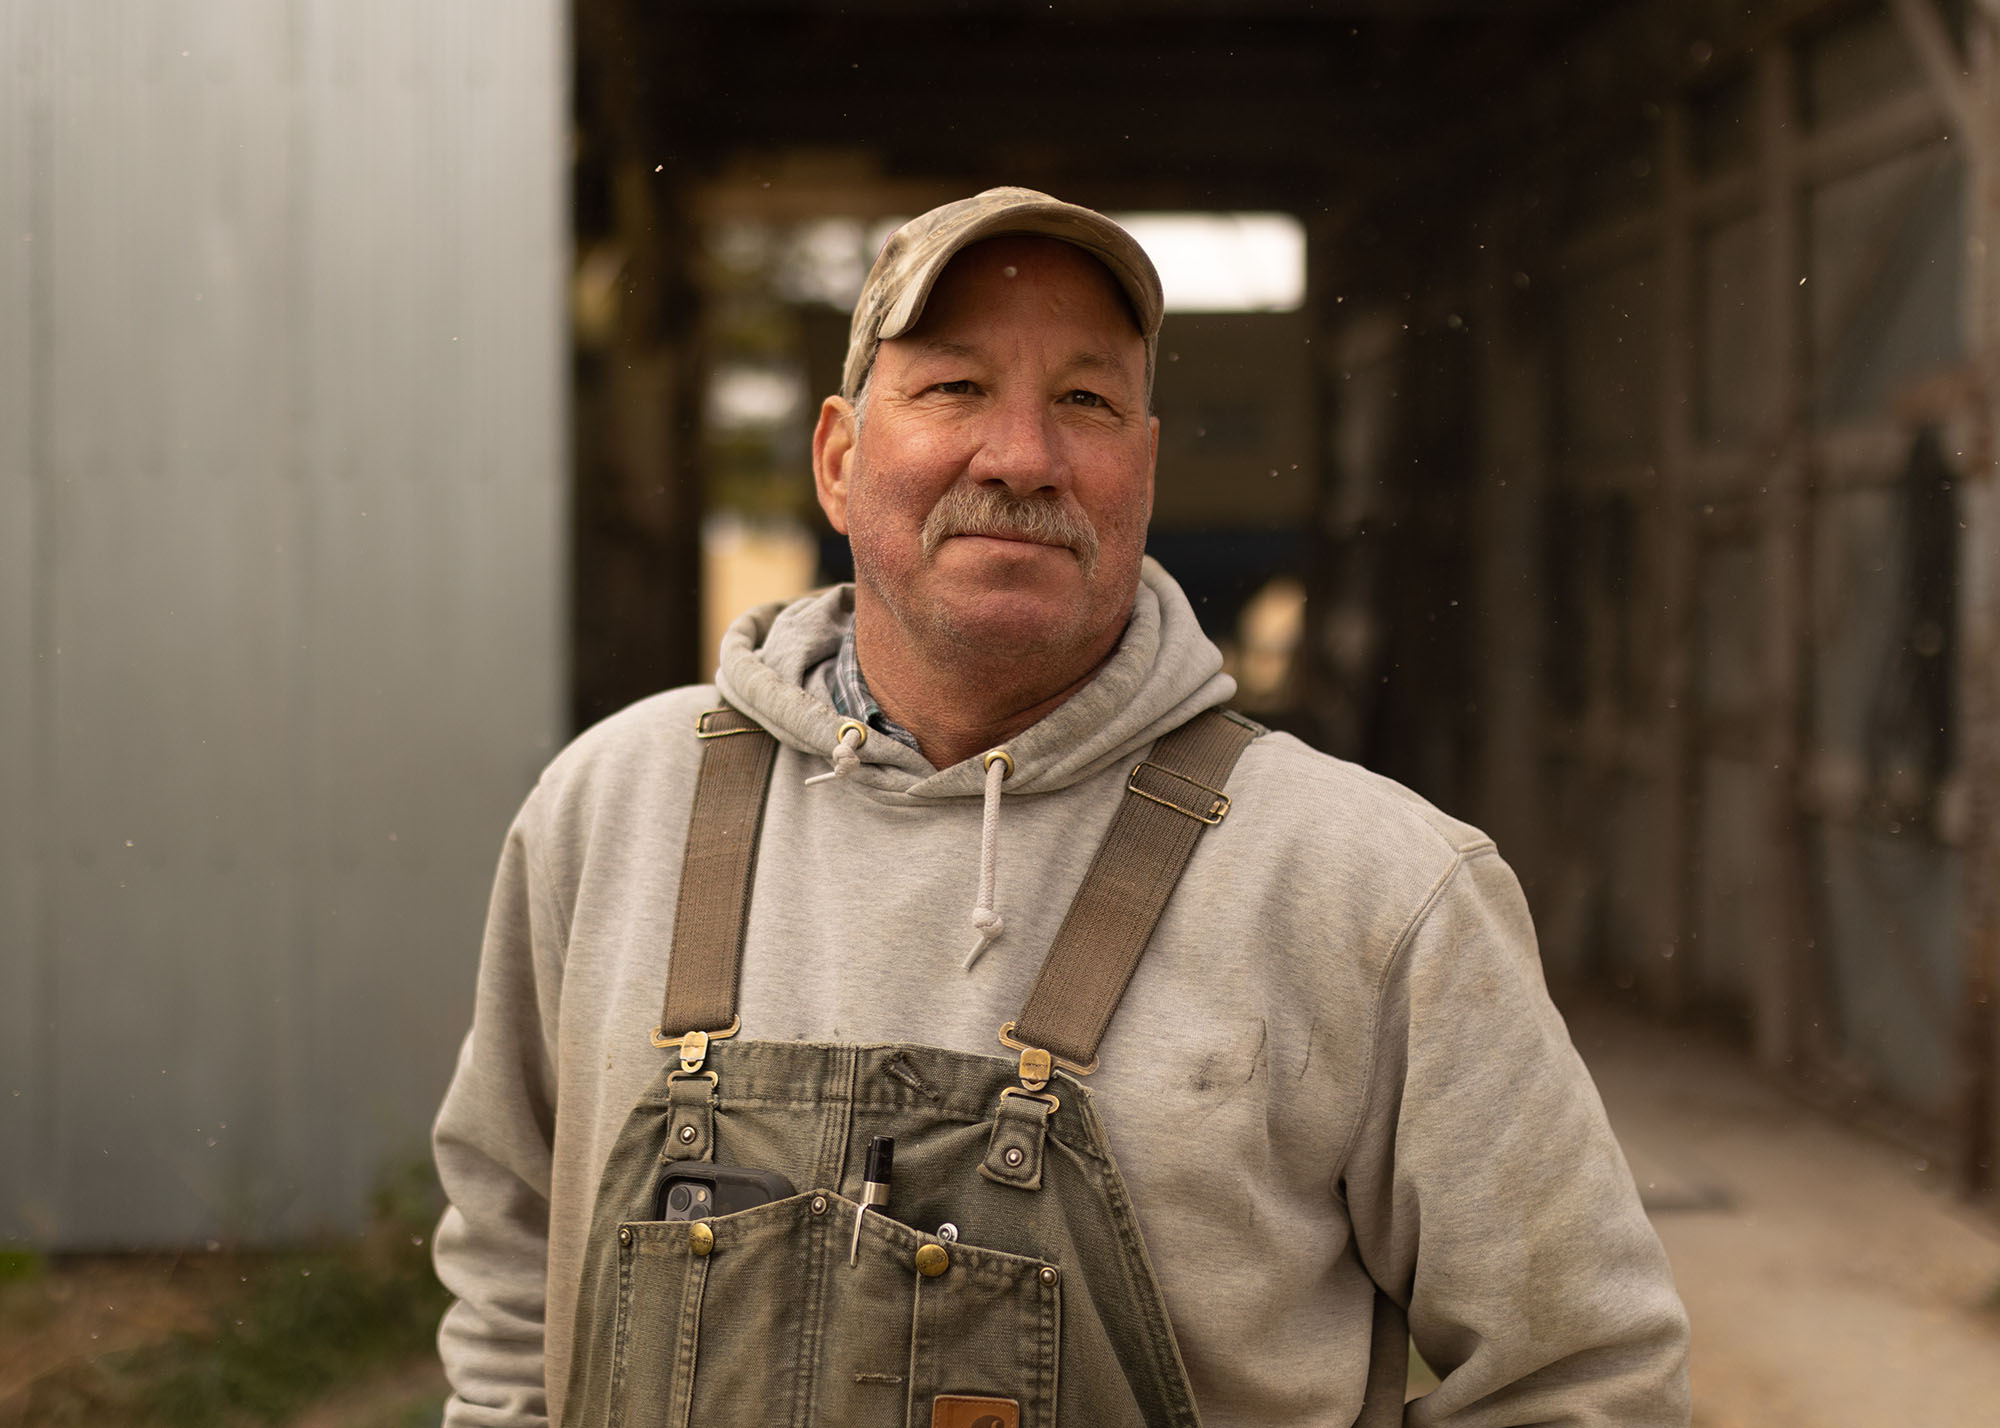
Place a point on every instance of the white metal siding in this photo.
(290, 488)
(20, 985)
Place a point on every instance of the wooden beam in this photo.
(1893, 127)
(1881, 132)
(1923, 29)
(1730, 195)
(1860, 454)
(1611, 245)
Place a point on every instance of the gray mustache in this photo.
(990, 511)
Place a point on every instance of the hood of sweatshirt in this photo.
(1163, 672)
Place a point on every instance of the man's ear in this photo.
(1152, 462)
(833, 449)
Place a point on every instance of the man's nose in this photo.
(1021, 447)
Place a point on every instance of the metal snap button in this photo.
(701, 1239)
(819, 1204)
(1050, 1274)
(1013, 1157)
(688, 1133)
(948, 1232)
(624, 1234)
(932, 1261)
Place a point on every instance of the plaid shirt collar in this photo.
(848, 692)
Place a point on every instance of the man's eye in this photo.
(1082, 398)
(960, 388)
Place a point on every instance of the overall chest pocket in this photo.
(758, 1318)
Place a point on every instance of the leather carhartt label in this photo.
(957, 1410)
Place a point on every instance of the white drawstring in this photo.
(988, 923)
(844, 758)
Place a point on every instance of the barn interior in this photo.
(1618, 475)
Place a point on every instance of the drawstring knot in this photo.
(844, 756)
(985, 921)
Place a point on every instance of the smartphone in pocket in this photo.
(695, 1190)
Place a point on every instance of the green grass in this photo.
(300, 1325)
(310, 1323)
(20, 1266)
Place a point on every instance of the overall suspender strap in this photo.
(1171, 799)
(717, 870)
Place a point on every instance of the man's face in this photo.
(1012, 420)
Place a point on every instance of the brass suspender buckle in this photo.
(703, 731)
(1211, 810)
(1045, 1099)
(694, 1044)
(1037, 1064)
(1035, 1068)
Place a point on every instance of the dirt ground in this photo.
(411, 1396)
(81, 1309)
(1833, 1279)
(65, 1327)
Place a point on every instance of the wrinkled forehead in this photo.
(969, 283)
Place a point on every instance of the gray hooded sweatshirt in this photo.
(1336, 1066)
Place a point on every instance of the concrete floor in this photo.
(1832, 1278)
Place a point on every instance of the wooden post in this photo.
(1331, 721)
(1510, 388)
(1668, 966)
(639, 497)
(1782, 1007)
(1978, 1090)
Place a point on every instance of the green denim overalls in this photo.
(1003, 1285)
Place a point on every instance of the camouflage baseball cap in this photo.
(900, 282)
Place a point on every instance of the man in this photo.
(1332, 1099)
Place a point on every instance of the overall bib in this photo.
(1004, 1284)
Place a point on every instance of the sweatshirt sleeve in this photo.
(492, 1142)
(1489, 1196)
